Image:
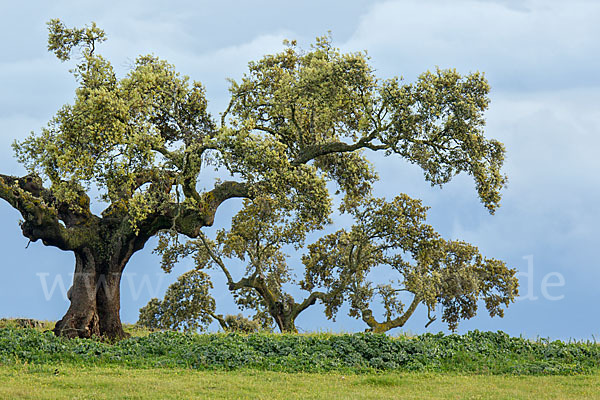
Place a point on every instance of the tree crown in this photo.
(296, 120)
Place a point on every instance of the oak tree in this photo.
(297, 121)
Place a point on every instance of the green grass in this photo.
(14, 323)
(132, 329)
(64, 381)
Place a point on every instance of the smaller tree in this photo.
(239, 323)
(187, 305)
(259, 233)
(425, 267)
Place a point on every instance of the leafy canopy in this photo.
(389, 239)
(297, 120)
(420, 267)
(116, 134)
(323, 105)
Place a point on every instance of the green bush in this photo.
(475, 352)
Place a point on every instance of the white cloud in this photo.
(550, 205)
(548, 43)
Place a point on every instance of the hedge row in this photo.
(474, 352)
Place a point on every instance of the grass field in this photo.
(75, 382)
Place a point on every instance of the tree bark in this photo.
(81, 319)
(287, 323)
(95, 299)
(108, 303)
(283, 317)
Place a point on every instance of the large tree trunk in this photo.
(81, 320)
(108, 303)
(95, 299)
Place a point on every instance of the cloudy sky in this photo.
(542, 59)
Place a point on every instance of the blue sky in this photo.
(542, 59)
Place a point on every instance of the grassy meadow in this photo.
(63, 381)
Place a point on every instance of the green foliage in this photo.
(62, 40)
(437, 123)
(120, 134)
(259, 233)
(393, 234)
(475, 352)
(434, 271)
(302, 118)
(151, 315)
(187, 305)
(314, 102)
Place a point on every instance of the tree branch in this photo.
(314, 151)
(221, 320)
(380, 327)
(216, 259)
(42, 214)
(190, 216)
(431, 319)
(309, 301)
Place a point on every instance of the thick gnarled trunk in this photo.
(81, 320)
(108, 304)
(95, 299)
